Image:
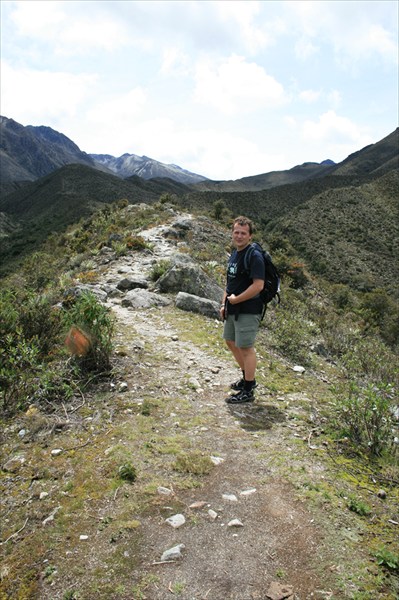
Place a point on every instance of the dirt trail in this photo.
(279, 541)
(263, 540)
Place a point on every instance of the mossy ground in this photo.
(167, 430)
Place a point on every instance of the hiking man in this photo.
(241, 308)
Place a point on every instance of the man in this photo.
(241, 309)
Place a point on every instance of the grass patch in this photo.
(195, 463)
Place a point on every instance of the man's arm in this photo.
(253, 290)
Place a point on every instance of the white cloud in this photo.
(334, 98)
(304, 48)
(118, 109)
(338, 135)
(174, 62)
(310, 96)
(29, 95)
(38, 19)
(70, 31)
(245, 17)
(92, 34)
(349, 28)
(236, 86)
(217, 154)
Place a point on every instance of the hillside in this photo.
(268, 180)
(62, 198)
(377, 158)
(28, 153)
(354, 239)
(262, 501)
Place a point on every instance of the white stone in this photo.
(198, 504)
(217, 460)
(173, 553)
(235, 523)
(83, 537)
(43, 495)
(56, 452)
(176, 521)
(248, 492)
(164, 491)
(213, 515)
(230, 497)
(299, 369)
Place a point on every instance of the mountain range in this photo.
(28, 153)
(341, 219)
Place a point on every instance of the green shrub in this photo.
(368, 358)
(135, 242)
(340, 295)
(29, 343)
(19, 362)
(159, 269)
(87, 313)
(194, 462)
(358, 506)
(364, 415)
(298, 278)
(219, 210)
(387, 559)
(378, 309)
(25, 376)
(127, 472)
(291, 329)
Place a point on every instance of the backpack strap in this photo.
(248, 256)
(247, 261)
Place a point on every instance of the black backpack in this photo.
(271, 289)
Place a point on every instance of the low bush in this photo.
(291, 329)
(87, 313)
(364, 414)
(32, 359)
(159, 269)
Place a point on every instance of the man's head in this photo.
(244, 221)
(242, 232)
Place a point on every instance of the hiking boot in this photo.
(242, 397)
(238, 385)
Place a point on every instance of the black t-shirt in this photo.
(238, 281)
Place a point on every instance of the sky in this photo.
(225, 89)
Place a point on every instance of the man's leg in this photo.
(236, 352)
(249, 361)
(246, 359)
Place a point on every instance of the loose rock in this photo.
(173, 553)
(176, 521)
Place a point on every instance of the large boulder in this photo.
(140, 298)
(184, 275)
(132, 283)
(203, 306)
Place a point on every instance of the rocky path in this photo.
(245, 534)
(228, 503)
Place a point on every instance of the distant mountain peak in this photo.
(128, 165)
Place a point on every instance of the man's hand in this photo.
(232, 299)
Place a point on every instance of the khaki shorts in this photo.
(242, 331)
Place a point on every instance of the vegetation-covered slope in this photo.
(89, 446)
